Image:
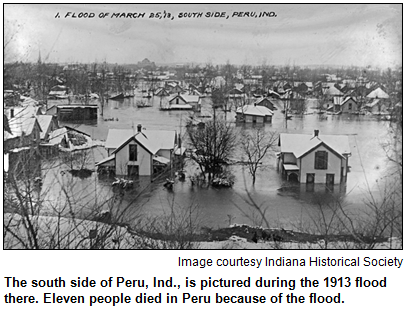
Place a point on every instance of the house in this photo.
(183, 101)
(378, 93)
(161, 92)
(73, 112)
(174, 87)
(264, 102)
(281, 86)
(66, 139)
(300, 87)
(254, 114)
(344, 105)
(314, 158)
(48, 124)
(24, 133)
(309, 85)
(24, 127)
(138, 153)
(273, 94)
(330, 91)
(58, 92)
(195, 92)
(349, 105)
(377, 106)
(235, 93)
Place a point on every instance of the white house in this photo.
(136, 153)
(314, 158)
(254, 114)
(344, 105)
(377, 106)
(184, 101)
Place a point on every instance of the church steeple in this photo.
(39, 57)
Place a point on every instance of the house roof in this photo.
(190, 98)
(28, 101)
(373, 103)
(259, 100)
(378, 94)
(255, 110)
(20, 126)
(152, 140)
(56, 136)
(309, 84)
(301, 144)
(347, 100)
(161, 159)
(273, 93)
(23, 121)
(186, 98)
(116, 137)
(44, 122)
(330, 89)
(23, 111)
(105, 160)
(161, 91)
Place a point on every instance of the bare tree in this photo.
(212, 146)
(255, 145)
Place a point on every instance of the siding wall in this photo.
(345, 108)
(334, 167)
(144, 161)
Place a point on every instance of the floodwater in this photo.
(283, 204)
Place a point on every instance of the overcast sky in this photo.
(329, 34)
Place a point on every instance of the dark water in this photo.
(284, 204)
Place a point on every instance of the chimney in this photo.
(316, 133)
(139, 127)
(11, 112)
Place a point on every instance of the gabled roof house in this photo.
(314, 158)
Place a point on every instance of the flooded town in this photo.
(198, 152)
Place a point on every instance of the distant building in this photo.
(146, 64)
(344, 105)
(73, 112)
(314, 158)
(377, 106)
(264, 102)
(184, 101)
(378, 94)
(161, 92)
(254, 114)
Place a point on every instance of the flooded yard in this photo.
(284, 204)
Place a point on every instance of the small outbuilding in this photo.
(254, 114)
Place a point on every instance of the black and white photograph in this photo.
(202, 126)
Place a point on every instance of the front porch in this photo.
(291, 172)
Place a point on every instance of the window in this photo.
(133, 152)
(320, 160)
(349, 106)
